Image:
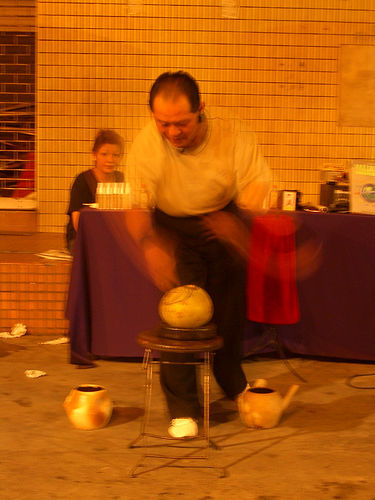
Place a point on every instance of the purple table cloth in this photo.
(111, 299)
(337, 300)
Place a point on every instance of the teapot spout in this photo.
(288, 396)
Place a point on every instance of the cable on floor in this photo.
(350, 381)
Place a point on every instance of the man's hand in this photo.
(253, 195)
(160, 263)
(157, 250)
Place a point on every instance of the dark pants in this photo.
(208, 264)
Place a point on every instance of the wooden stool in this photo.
(152, 341)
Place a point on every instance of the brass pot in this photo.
(88, 407)
(261, 407)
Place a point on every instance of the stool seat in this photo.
(150, 339)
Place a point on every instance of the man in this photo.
(198, 171)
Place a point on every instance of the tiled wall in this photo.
(17, 15)
(274, 64)
(34, 294)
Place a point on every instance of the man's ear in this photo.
(201, 107)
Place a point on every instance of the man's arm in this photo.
(254, 180)
(158, 251)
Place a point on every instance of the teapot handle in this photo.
(260, 382)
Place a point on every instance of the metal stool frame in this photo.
(147, 364)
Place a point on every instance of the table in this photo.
(111, 300)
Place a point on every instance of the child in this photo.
(107, 151)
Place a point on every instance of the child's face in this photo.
(107, 158)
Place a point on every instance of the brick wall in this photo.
(34, 294)
(17, 110)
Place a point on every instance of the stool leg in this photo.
(147, 366)
(207, 363)
(206, 397)
(148, 390)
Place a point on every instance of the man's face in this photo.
(175, 120)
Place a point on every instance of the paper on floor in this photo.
(17, 331)
(60, 340)
(34, 373)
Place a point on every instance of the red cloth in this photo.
(25, 184)
(271, 273)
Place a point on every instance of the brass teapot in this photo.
(88, 407)
(261, 407)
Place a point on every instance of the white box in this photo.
(362, 186)
(287, 200)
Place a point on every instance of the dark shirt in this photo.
(83, 191)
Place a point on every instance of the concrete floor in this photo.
(323, 448)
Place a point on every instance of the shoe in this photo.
(183, 428)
